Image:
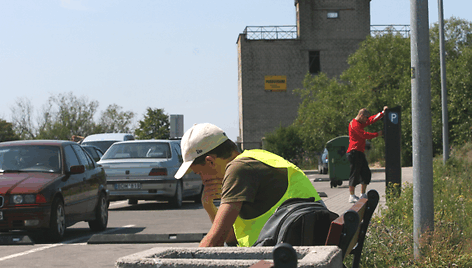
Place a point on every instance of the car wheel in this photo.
(325, 170)
(176, 200)
(101, 215)
(132, 201)
(57, 224)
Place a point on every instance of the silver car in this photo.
(144, 170)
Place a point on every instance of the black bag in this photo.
(298, 222)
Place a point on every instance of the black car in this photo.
(94, 152)
(49, 185)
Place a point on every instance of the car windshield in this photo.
(103, 145)
(30, 158)
(138, 150)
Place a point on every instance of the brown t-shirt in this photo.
(258, 185)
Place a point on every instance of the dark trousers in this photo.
(360, 171)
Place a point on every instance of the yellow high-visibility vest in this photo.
(247, 230)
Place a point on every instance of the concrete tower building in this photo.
(273, 61)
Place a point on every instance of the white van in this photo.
(105, 140)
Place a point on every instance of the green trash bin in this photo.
(338, 165)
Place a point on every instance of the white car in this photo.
(145, 169)
(104, 140)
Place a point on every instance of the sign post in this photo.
(393, 163)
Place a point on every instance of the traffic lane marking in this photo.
(72, 241)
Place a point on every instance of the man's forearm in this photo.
(211, 241)
(222, 226)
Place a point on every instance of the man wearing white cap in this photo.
(251, 185)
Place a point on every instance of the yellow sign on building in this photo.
(275, 82)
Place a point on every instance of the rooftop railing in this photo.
(270, 32)
(401, 29)
(290, 32)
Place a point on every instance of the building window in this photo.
(314, 62)
(333, 14)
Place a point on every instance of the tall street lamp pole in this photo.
(423, 206)
(445, 127)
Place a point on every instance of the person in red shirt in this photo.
(360, 171)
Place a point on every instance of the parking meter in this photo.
(392, 136)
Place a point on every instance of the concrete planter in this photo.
(228, 257)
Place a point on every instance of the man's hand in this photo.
(211, 191)
(385, 108)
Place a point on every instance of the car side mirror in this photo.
(77, 169)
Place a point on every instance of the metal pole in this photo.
(442, 51)
(423, 209)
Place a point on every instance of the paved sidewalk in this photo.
(337, 198)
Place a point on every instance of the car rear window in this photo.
(103, 145)
(138, 150)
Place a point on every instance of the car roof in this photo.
(36, 142)
(142, 141)
(107, 136)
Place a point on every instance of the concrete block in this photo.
(15, 239)
(228, 257)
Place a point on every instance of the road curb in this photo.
(145, 238)
(311, 172)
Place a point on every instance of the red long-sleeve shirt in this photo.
(357, 135)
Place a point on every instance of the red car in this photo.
(49, 185)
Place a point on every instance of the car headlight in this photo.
(23, 199)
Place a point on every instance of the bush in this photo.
(376, 153)
(285, 142)
(389, 241)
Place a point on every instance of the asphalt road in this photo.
(144, 218)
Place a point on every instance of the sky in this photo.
(180, 56)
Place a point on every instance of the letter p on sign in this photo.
(393, 118)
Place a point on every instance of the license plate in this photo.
(127, 186)
(1, 215)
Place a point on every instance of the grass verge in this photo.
(389, 241)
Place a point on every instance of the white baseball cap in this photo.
(197, 141)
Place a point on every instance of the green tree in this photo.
(6, 131)
(322, 113)
(458, 37)
(155, 125)
(23, 124)
(65, 115)
(379, 74)
(459, 87)
(286, 142)
(114, 120)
